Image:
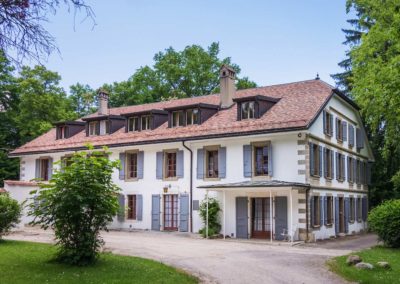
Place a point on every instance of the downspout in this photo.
(191, 186)
(307, 213)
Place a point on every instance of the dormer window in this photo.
(93, 127)
(67, 129)
(62, 132)
(177, 118)
(247, 110)
(147, 121)
(133, 124)
(192, 116)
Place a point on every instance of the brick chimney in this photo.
(227, 85)
(103, 101)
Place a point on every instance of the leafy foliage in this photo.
(214, 225)
(77, 203)
(83, 99)
(10, 212)
(385, 221)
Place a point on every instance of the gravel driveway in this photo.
(219, 261)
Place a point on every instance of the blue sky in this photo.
(272, 41)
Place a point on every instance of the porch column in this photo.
(291, 216)
(224, 214)
(207, 215)
(270, 213)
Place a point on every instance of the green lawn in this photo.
(24, 262)
(376, 275)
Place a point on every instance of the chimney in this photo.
(227, 85)
(103, 101)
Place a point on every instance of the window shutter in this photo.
(312, 211)
(159, 165)
(343, 174)
(321, 210)
(320, 161)
(37, 168)
(139, 207)
(184, 213)
(333, 164)
(324, 122)
(355, 209)
(121, 213)
(50, 168)
(140, 164)
(222, 162)
(337, 215)
(351, 135)
(337, 128)
(312, 166)
(337, 166)
(346, 213)
(247, 160)
(331, 123)
(155, 212)
(122, 166)
(348, 169)
(325, 210)
(98, 128)
(200, 163)
(179, 164)
(344, 129)
(270, 161)
(325, 163)
(354, 170)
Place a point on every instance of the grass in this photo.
(25, 262)
(376, 275)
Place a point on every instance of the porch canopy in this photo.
(257, 186)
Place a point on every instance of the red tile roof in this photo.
(299, 103)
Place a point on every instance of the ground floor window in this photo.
(329, 212)
(132, 207)
(352, 210)
(316, 211)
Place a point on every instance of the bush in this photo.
(214, 225)
(78, 202)
(384, 220)
(10, 211)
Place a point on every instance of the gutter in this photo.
(191, 186)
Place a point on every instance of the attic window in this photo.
(177, 118)
(247, 110)
(93, 128)
(147, 121)
(192, 116)
(133, 124)
(62, 132)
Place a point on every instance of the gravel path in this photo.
(219, 261)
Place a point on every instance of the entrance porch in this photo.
(271, 210)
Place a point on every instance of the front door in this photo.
(171, 212)
(260, 218)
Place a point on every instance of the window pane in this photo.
(212, 164)
(132, 165)
(251, 109)
(261, 160)
(195, 116)
(245, 110)
(170, 165)
(189, 117)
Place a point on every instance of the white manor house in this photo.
(289, 160)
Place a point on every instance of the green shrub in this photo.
(10, 211)
(384, 220)
(78, 202)
(214, 225)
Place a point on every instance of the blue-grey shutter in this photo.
(281, 216)
(354, 170)
(312, 166)
(324, 122)
(247, 160)
(358, 138)
(122, 166)
(325, 210)
(179, 164)
(337, 221)
(222, 162)
(320, 161)
(242, 219)
(346, 213)
(37, 168)
(343, 161)
(312, 211)
(351, 135)
(325, 163)
(337, 128)
(155, 212)
(321, 210)
(344, 129)
(184, 213)
(270, 161)
(200, 163)
(140, 164)
(121, 212)
(333, 164)
(139, 207)
(50, 168)
(337, 166)
(355, 209)
(331, 123)
(159, 165)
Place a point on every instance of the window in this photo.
(131, 207)
(131, 166)
(329, 204)
(177, 118)
(339, 130)
(261, 160)
(340, 166)
(316, 212)
(93, 128)
(328, 121)
(133, 124)
(44, 169)
(247, 110)
(147, 121)
(351, 135)
(212, 163)
(350, 169)
(170, 164)
(328, 163)
(359, 209)
(62, 132)
(315, 160)
(352, 210)
(107, 127)
(192, 116)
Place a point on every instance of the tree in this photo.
(22, 34)
(191, 72)
(10, 212)
(42, 102)
(84, 99)
(78, 202)
(214, 225)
